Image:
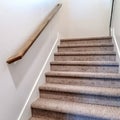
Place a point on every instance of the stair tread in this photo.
(42, 118)
(87, 45)
(110, 63)
(104, 91)
(105, 112)
(34, 118)
(90, 38)
(84, 74)
(87, 53)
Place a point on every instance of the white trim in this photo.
(115, 42)
(37, 80)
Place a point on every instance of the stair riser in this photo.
(84, 81)
(82, 98)
(52, 115)
(78, 49)
(85, 58)
(74, 42)
(83, 68)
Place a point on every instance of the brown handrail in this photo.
(21, 52)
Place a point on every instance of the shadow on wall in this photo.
(30, 65)
(20, 69)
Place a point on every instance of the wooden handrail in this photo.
(22, 51)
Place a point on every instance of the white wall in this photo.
(85, 18)
(18, 19)
(116, 28)
(116, 18)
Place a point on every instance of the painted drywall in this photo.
(85, 18)
(115, 30)
(116, 26)
(18, 19)
(34, 94)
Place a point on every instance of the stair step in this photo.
(86, 41)
(62, 110)
(62, 116)
(43, 118)
(33, 118)
(85, 66)
(86, 47)
(84, 94)
(84, 78)
(85, 56)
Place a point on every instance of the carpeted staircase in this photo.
(83, 83)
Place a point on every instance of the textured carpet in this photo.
(83, 83)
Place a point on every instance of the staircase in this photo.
(83, 83)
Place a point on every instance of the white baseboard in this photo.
(32, 97)
(116, 47)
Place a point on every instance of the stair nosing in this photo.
(82, 39)
(98, 111)
(85, 45)
(85, 63)
(90, 90)
(40, 118)
(85, 53)
(83, 74)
